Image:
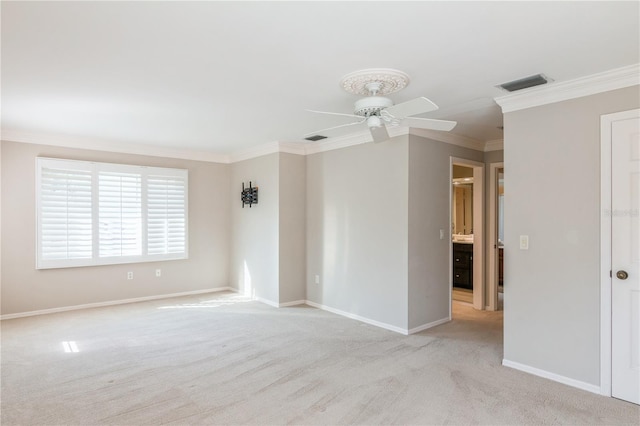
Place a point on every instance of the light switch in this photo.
(524, 242)
(442, 234)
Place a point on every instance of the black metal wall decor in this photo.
(249, 195)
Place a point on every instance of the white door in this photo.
(625, 260)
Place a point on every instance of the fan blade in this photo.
(334, 131)
(334, 113)
(413, 107)
(379, 134)
(428, 123)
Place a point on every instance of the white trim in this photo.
(429, 325)
(606, 123)
(292, 303)
(267, 301)
(95, 144)
(358, 317)
(561, 91)
(95, 170)
(258, 151)
(552, 376)
(478, 231)
(492, 237)
(298, 148)
(494, 145)
(113, 302)
(279, 305)
(450, 138)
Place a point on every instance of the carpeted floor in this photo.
(223, 359)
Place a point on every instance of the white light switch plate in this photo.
(524, 242)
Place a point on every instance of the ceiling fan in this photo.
(376, 112)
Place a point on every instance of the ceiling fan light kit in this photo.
(377, 111)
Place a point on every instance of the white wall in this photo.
(255, 230)
(357, 230)
(552, 180)
(429, 190)
(26, 289)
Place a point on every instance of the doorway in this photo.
(466, 252)
(620, 256)
(495, 240)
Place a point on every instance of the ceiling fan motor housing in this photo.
(371, 105)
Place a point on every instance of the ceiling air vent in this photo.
(316, 138)
(525, 83)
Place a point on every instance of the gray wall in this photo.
(292, 227)
(429, 189)
(552, 303)
(255, 233)
(26, 289)
(493, 157)
(268, 240)
(357, 230)
(345, 215)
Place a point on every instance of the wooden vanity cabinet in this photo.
(463, 265)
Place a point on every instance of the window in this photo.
(100, 213)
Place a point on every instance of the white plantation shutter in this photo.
(98, 213)
(120, 214)
(66, 219)
(166, 214)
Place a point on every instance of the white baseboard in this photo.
(293, 303)
(267, 301)
(113, 302)
(552, 376)
(358, 317)
(429, 325)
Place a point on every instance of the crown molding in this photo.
(494, 145)
(450, 138)
(297, 148)
(617, 78)
(258, 151)
(93, 144)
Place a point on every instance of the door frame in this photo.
(492, 237)
(478, 231)
(606, 145)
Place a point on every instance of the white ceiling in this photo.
(227, 76)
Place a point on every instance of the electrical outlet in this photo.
(524, 242)
(158, 272)
(317, 279)
(130, 275)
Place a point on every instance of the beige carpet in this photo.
(221, 359)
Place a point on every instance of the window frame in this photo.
(96, 168)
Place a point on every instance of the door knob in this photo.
(622, 275)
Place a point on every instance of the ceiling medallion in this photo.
(385, 81)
